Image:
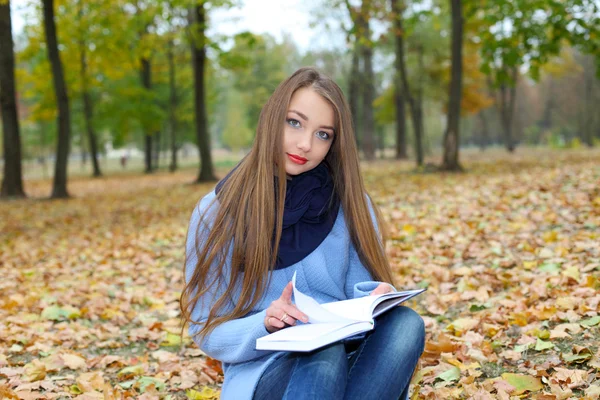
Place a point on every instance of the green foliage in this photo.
(518, 32)
(258, 65)
(237, 135)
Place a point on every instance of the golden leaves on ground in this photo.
(90, 293)
(511, 260)
(509, 252)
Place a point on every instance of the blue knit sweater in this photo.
(333, 271)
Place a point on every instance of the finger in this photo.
(282, 312)
(379, 290)
(286, 295)
(275, 322)
(294, 314)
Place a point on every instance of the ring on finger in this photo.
(284, 317)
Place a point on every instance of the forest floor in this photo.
(509, 252)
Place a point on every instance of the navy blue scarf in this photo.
(310, 210)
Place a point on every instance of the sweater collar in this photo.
(310, 210)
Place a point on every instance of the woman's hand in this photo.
(282, 313)
(382, 289)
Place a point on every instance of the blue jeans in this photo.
(379, 367)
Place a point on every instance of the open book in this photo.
(331, 322)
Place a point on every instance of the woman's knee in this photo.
(407, 323)
(328, 365)
(334, 354)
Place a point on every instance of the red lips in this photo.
(297, 159)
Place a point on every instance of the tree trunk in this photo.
(418, 123)
(451, 136)
(546, 122)
(172, 107)
(198, 62)
(354, 91)
(512, 103)
(401, 151)
(380, 134)
(12, 183)
(484, 137)
(156, 153)
(88, 111)
(507, 107)
(589, 78)
(418, 105)
(145, 75)
(413, 106)
(368, 144)
(43, 155)
(59, 187)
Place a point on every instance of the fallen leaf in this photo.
(206, 393)
(522, 383)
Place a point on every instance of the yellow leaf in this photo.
(522, 383)
(207, 393)
(593, 392)
(172, 339)
(461, 325)
(35, 371)
(128, 372)
(90, 381)
(409, 229)
(550, 237)
(73, 361)
(571, 272)
(7, 393)
(567, 303)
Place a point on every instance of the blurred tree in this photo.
(59, 186)
(144, 18)
(399, 96)
(451, 136)
(172, 18)
(88, 107)
(258, 64)
(237, 135)
(363, 80)
(553, 70)
(515, 33)
(414, 95)
(12, 181)
(197, 21)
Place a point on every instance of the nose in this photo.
(304, 142)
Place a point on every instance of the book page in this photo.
(367, 307)
(358, 309)
(303, 332)
(310, 336)
(315, 312)
(389, 300)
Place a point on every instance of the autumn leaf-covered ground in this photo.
(509, 252)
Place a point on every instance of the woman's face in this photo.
(308, 131)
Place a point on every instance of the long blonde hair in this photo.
(248, 199)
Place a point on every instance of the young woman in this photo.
(295, 203)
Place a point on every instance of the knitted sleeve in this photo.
(233, 341)
(359, 282)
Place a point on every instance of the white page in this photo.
(359, 309)
(303, 332)
(362, 308)
(315, 312)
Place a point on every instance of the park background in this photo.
(478, 126)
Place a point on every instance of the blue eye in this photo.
(293, 122)
(323, 135)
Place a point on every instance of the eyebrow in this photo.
(304, 117)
